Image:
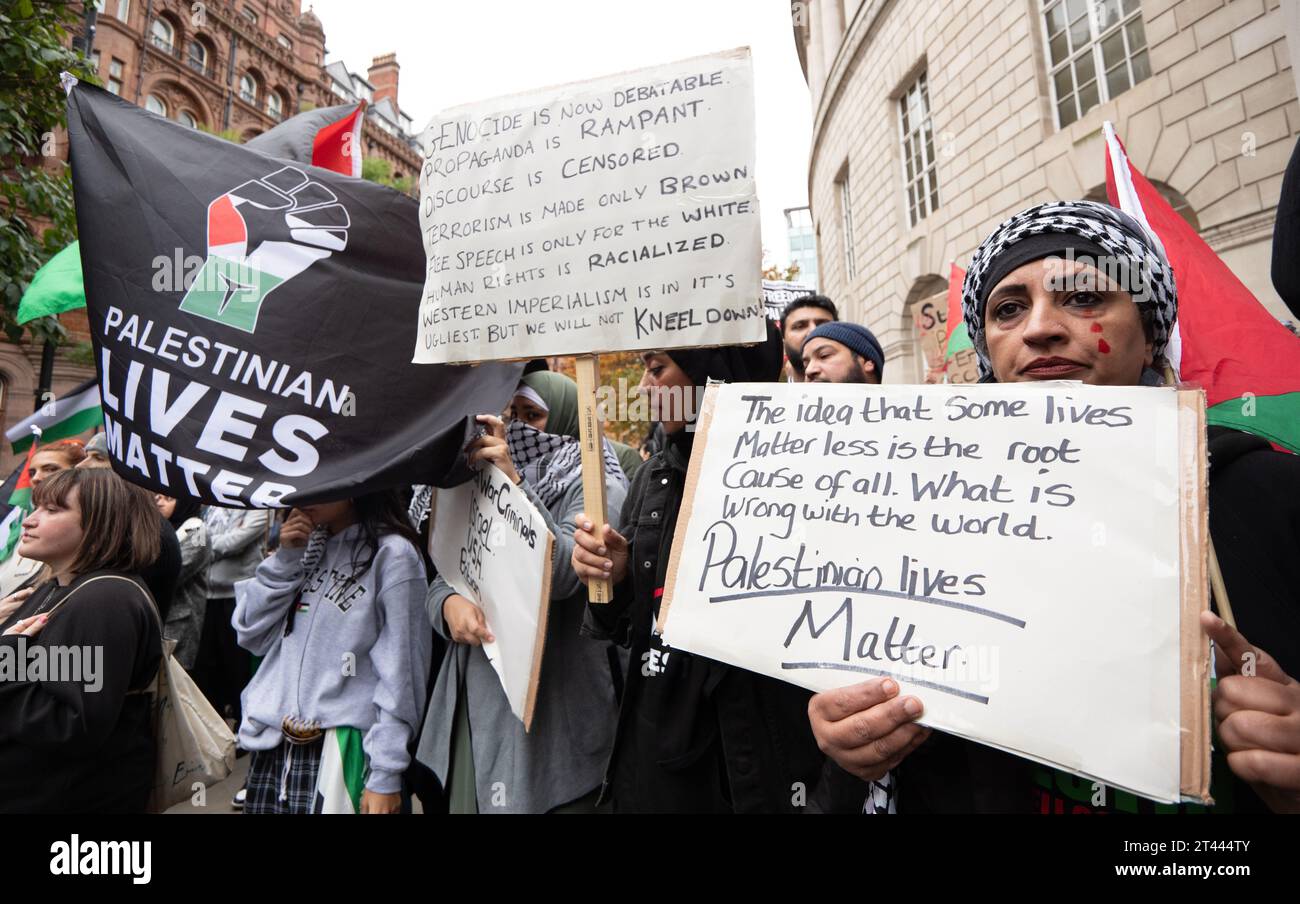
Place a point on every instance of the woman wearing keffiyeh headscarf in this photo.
(1081, 291)
(471, 740)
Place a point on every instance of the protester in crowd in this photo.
(190, 600)
(1286, 236)
(801, 317)
(527, 407)
(222, 667)
(338, 616)
(472, 741)
(19, 573)
(83, 743)
(1032, 315)
(839, 352)
(159, 576)
(653, 442)
(694, 735)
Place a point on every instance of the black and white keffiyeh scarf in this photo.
(1151, 279)
(549, 463)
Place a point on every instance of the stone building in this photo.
(934, 121)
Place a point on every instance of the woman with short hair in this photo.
(83, 742)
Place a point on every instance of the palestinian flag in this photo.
(342, 776)
(1224, 340)
(20, 504)
(958, 336)
(75, 413)
(329, 138)
(275, 370)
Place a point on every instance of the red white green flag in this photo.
(20, 502)
(1224, 341)
(958, 338)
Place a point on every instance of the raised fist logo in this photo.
(260, 235)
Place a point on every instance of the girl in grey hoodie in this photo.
(338, 614)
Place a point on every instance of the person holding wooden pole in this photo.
(1081, 291)
(694, 735)
(473, 743)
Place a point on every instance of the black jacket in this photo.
(68, 746)
(694, 735)
(1255, 524)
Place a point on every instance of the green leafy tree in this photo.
(377, 169)
(775, 273)
(37, 217)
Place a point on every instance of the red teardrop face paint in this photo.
(1103, 346)
(1096, 327)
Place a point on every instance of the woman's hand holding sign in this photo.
(596, 557)
(867, 729)
(1257, 708)
(465, 621)
(491, 447)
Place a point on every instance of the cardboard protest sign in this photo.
(608, 215)
(490, 543)
(1027, 559)
(245, 311)
(930, 316)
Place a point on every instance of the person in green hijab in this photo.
(559, 412)
(471, 740)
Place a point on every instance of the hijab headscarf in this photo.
(551, 461)
(1090, 230)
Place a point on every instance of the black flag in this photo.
(253, 320)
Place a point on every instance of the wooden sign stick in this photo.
(592, 438)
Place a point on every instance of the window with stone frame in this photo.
(845, 198)
(198, 57)
(1096, 50)
(163, 35)
(114, 84)
(916, 133)
(248, 88)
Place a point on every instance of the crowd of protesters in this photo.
(264, 608)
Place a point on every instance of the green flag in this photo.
(56, 287)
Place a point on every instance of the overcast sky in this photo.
(453, 52)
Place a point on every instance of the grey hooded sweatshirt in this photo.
(358, 654)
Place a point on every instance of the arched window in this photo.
(248, 88)
(274, 105)
(198, 58)
(154, 104)
(1168, 192)
(163, 35)
(186, 118)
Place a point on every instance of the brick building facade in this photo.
(935, 121)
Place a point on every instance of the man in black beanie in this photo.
(840, 352)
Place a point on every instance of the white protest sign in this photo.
(493, 547)
(606, 215)
(1010, 554)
